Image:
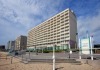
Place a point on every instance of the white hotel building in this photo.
(60, 29)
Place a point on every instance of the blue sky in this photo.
(18, 16)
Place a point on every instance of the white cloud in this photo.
(23, 8)
(18, 16)
(90, 24)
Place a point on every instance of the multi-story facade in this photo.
(21, 43)
(60, 29)
(11, 45)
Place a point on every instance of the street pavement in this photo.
(64, 55)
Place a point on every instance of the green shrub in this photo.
(45, 51)
(48, 51)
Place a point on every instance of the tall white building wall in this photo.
(59, 29)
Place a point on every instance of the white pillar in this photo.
(69, 48)
(42, 49)
(76, 40)
(54, 57)
(91, 48)
(80, 50)
(87, 34)
(70, 51)
(29, 54)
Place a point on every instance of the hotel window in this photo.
(66, 14)
(67, 37)
(62, 25)
(62, 34)
(66, 33)
(62, 19)
(62, 31)
(62, 16)
(58, 39)
(62, 28)
(67, 26)
(66, 23)
(58, 15)
(62, 22)
(66, 20)
(66, 17)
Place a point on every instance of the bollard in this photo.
(69, 55)
(0, 56)
(80, 57)
(11, 59)
(22, 56)
(6, 57)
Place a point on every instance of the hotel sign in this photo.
(85, 45)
